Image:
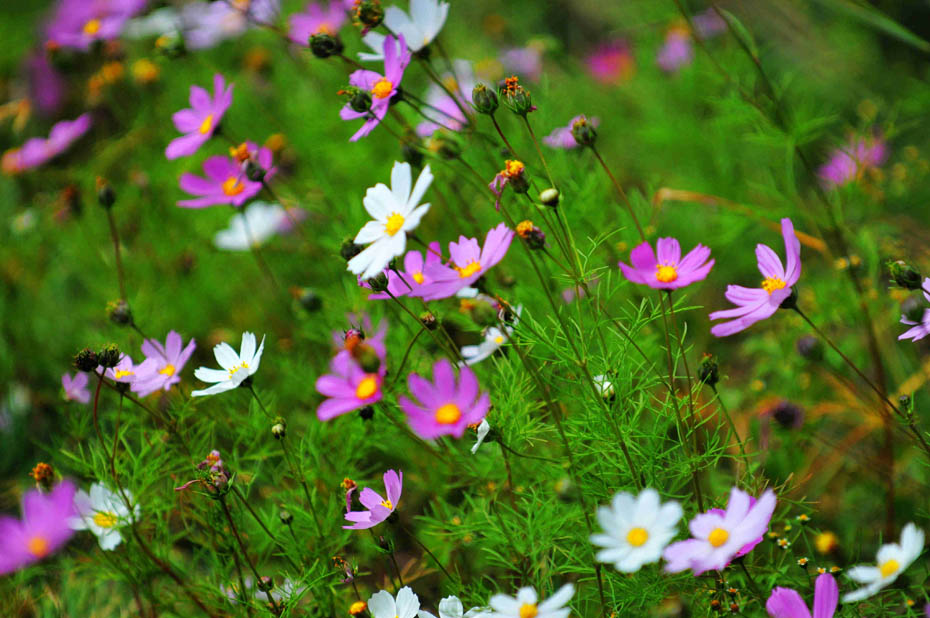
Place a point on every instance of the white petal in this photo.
(423, 183)
(381, 605)
(370, 232)
(205, 374)
(247, 349)
(216, 388)
(257, 357)
(225, 355)
(400, 181)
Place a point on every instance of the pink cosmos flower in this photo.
(562, 137)
(348, 386)
(847, 164)
(756, 304)
(668, 270)
(787, 603)
(717, 538)
(317, 19)
(47, 87)
(162, 365)
(382, 88)
(414, 277)
(126, 371)
(76, 387)
(226, 182)
(446, 406)
(524, 61)
(37, 151)
(42, 531)
(445, 113)
(379, 508)
(611, 63)
(200, 120)
(748, 547)
(922, 329)
(677, 50)
(78, 23)
(469, 261)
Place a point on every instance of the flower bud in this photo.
(378, 283)
(309, 299)
(535, 238)
(357, 608)
(583, 132)
(484, 99)
(86, 360)
(286, 517)
(516, 97)
(349, 249)
(809, 347)
(359, 100)
(367, 413)
(905, 401)
(370, 14)
(108, 356)
(279, 429)
(105, 194)
(254, 171)
(324, 45)
(44, 476)
(566, 490)
(791, 302)
(265, 583)
(171, 45)
(913, 309)
(708, 372)
(550, 197)
(788, 415)
(119, 313)
(905, 275)
(428, 320)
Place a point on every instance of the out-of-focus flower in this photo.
(611, 63)
(755, 304)
(78, 23)
(525, 61)
(708, 24)
(253, 226)
(317, 19)
(226, 180)
(46, 86)
(200, 120)
(126, 371)
(411, 280)
(103, 512)
(665, 269)
(207, 23)
(395, 212)
(562, 137)
(527, 603)
(161, 21)
(42, 531)
(236, 368)
(636, 529)
(849, 163)
(494, 340)
(421, 25)
(378, 509)
(76, 388)
(920, 329)
(718, 538)
(445, 406)
(469, 261)
(37, 151)
(892, 560)
(163, 364)
(443, 112)
(380, 87)
(677, 51)
(451, 607)
(787, 603)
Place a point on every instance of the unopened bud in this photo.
(86, 360)
(378, 283)
(370, 13)
(265, 583)
(367, 413)
(428, 320)
(349, 249)
(310, 300)
(905, 402)
(366, 357)
(516, 97)
(254, 171)
(44, 476)
(583, 131)
(905, 275)
(105, 193)
(279, 429)
(809, 347)
(324, 45)
(791, 302)
(119, 313)
(484, 99)
(913, 309)
(108, 356)
(286, 517)
(550, 197)
(708, 372)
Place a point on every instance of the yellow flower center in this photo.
(469, 270)
(394, 223)
(382, 88)
(637, 537)
(236, 368)
(37, 546)
(448, 414)
(92, 27)
(105, 519)
(206, 125)
(418, 277)
(121, 373)
(718, 537)
(367, 387)
(358, 607)
(232, 186)
(666, 273)
(168, 370)
(889, 568)
(324, 28)
(387, 504)
(528, 610)
(513, 168)
(499, 340)
(770, 284)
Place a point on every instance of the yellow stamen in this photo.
(105, 519)
(528, 610)
(168, 370)
(367, 387)
(513, 168)
(236, 368)
(889, 567)
(92, 27)
(770, 284)
(718, 537)
(418, 277)
(324, 28)
(382, 88)
(637, 537)
(387, 504)
(37, 546)
(448, 414)
(121, 373)
(666, 273)
(469, 270)
(232, 186)
(207, 125)
(499, 340)
(394, 223)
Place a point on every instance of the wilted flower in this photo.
(200, 120)
(37, 151)
(378, 508)
(787, 603)
(481, 432)
(667, 270)
(469, 261)
(76, 388)
(163, 364)
(381, 88)
(892, 560)
(514, 173)
(636, 529)
(42, 530)
(445, 406)
(236, 368)
(103, 512)
(526, 604)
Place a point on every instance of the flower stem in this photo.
(619, 188)
(529, 128)
(501, 133)
(262, 525)
(245, 553)
(114, 234)
(429, 553)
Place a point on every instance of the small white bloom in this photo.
(483, 430)
(251, 228)
(382, 604)
(494, 339)
(103, 513)
(636, 529)
(604, 385)
(892, 560)
(395, 212)
(451, 607)
(421, 26)
(527, 603)
(236, 367)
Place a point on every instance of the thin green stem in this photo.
(539, 151)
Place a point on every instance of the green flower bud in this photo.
(108, 356)
(484, 99)
(86, 360)
(349, 249)
(370, 13)
(119, 313)
(583, 132)
(279, 428)
(105, 193)
(324, 45)
(708, 372)
(905, 275)
(516, 97)
(550, 197)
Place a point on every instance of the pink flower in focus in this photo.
(677, 50)
(469, 261)
(755, 304)
(37, 151)
(411, 280)
(316, 19)
(225, 182)
(382, 88)
(76, 387)
(445, 406)
(717, 538)
(668, 271)
(611, 63)
(849, 163)
(562, 137)
(348, 387)
(42, 531)
(787, 603)
(162, 365)
(748, 547)
(200, 120)
(379, 508)
(78, 23)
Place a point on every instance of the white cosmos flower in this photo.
(527, 603)
(103, 513)
(483, 429)
(382, 604)
(636, 529)
(375, 41)
(421, 26)
(395, 212)
(451, 607)
(235, 367)
(251, 228)
(891, 561)
(494, 338)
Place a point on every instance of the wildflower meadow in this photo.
(434, 308)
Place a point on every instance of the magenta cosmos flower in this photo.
(754, 304)
(717, 538)
(562, 137)
(445, 406)
(76, 388)
(78, 23)
(379, 508)
(37, 151)
(163, 363)
(414, 277)
(317, 19)
(847, 164)
(787, 603)
(200, 120)
(469, 262)
(381, 87)
(918, 330)
(667, 270)
(348, 386)
(225, 182)
(611, 63)
(42, 531)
